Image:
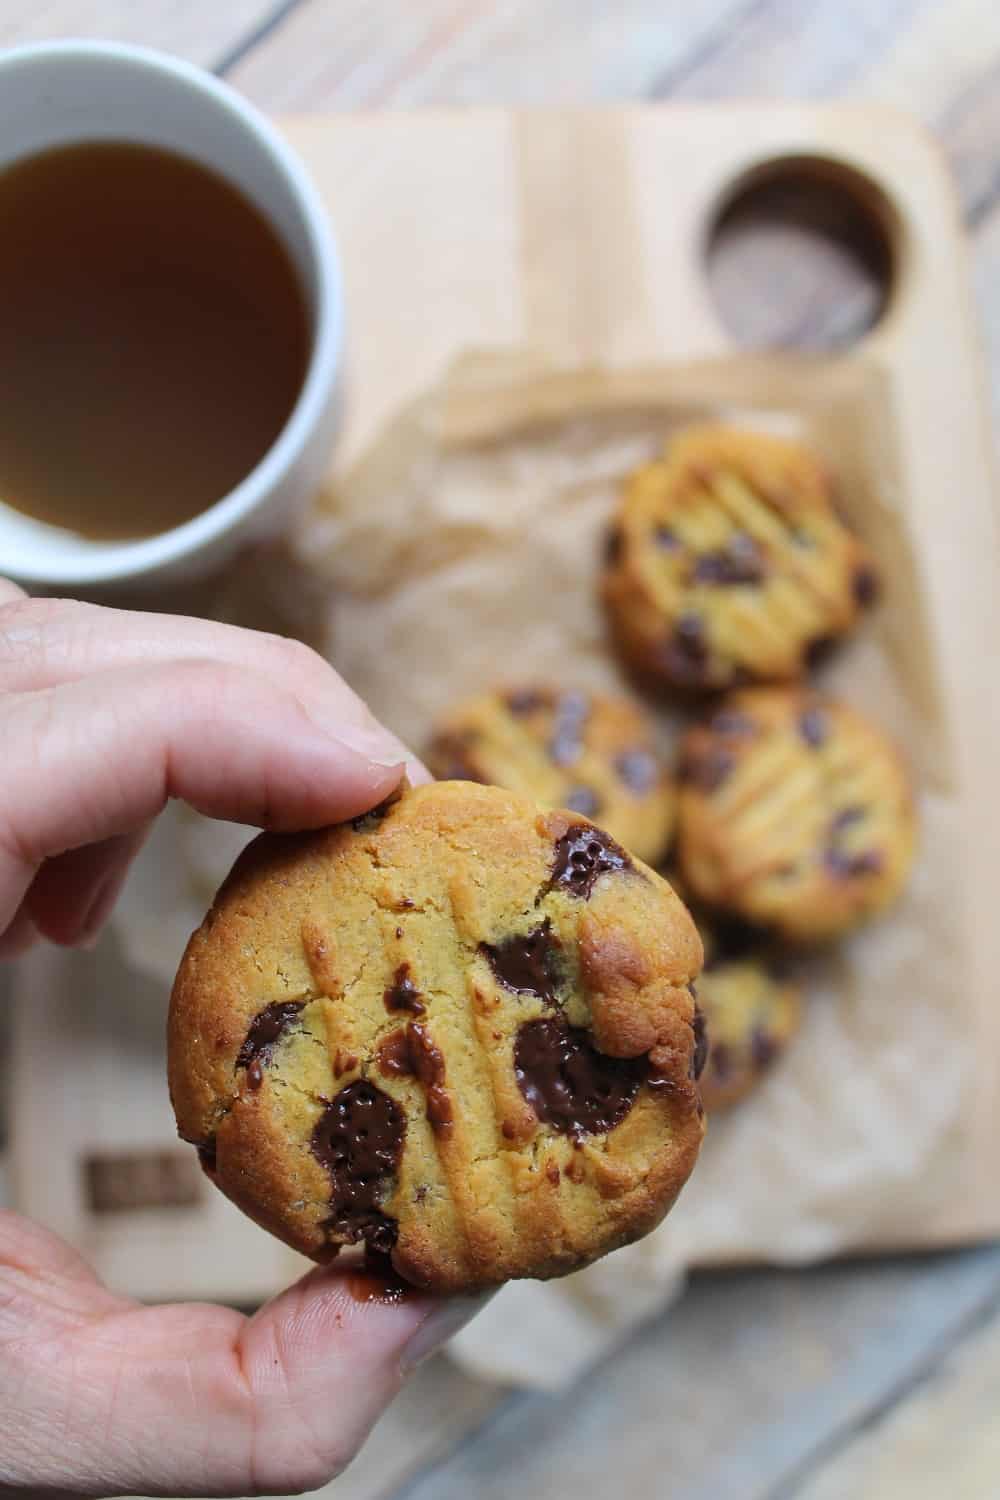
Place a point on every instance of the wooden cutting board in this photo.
(582, 234)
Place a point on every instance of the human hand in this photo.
(105, 715)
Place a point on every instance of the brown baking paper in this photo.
(463, 548)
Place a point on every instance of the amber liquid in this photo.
(153, 338)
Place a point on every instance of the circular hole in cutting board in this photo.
(800, 255)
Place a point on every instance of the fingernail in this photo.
(438, 1327)
(379, 749)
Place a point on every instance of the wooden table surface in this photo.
(874, 1379)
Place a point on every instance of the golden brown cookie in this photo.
(460, 1030)
(794, 812)
(589, 752)
(728, 563)
(752, 1009)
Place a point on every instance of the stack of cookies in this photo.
(788, 818)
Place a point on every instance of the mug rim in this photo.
(119, 560)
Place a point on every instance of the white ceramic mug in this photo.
(61, 93)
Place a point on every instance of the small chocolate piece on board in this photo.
(124, 1181)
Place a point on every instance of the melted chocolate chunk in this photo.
(732, 724)
(394, 1058)
(566, 743)
(700, 1053)
(667, 538)
(581, 856)
(359, 1141)
(845, 817)
(265, 1032)
(568, 1083)
(582, 800)
(814, 727)
(819, 650)
(374, 816)
(685, 654)
(528, 963)
(614, 543)
(707, 769)
(403, 994)
(763, 1048)
(450, 753)
(739, 561)
(428, 1065)
(847, 866)
(864, 585)
(638, 769)
(206, 1154)
(526, 701)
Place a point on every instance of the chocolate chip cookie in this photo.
(752, 1009)
(794, 812)
(459, 1030)
(728, 562)
(589, 752)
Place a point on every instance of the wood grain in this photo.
(201, 33)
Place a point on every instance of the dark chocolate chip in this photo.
(403, 994)
(449, 756)
(638, 769)
(581, 856)
(706, 769)
(700, 1053)
(847, 866)
(359, 1141)
(763, 1048)
(814, 727)
(685, 653)
(865, 586)
(374, 816)
(569, 1084)
(740, 561)
(523, 701)
(732, 724)
(845, 817)
(528, 963)
(264, 1034)
(582, 800)
(206, 1154)
(819, 650)
(667, 538)
(614, 543)
(566, 743)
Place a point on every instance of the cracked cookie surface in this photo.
(460, 1031)
(794, 813)
(728, 562)
(590, 752)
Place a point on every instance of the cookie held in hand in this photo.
(590, 752)
(728, 563)
(794, 813)
(459, 1030)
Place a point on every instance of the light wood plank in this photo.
(348, 53)
(732, 1392)
(942, 1438)
(199, 32)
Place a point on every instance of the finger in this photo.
(72, 895)
(109, 751)
(195, 1400)
(20, 935)
(9, 592)
(45, 643)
